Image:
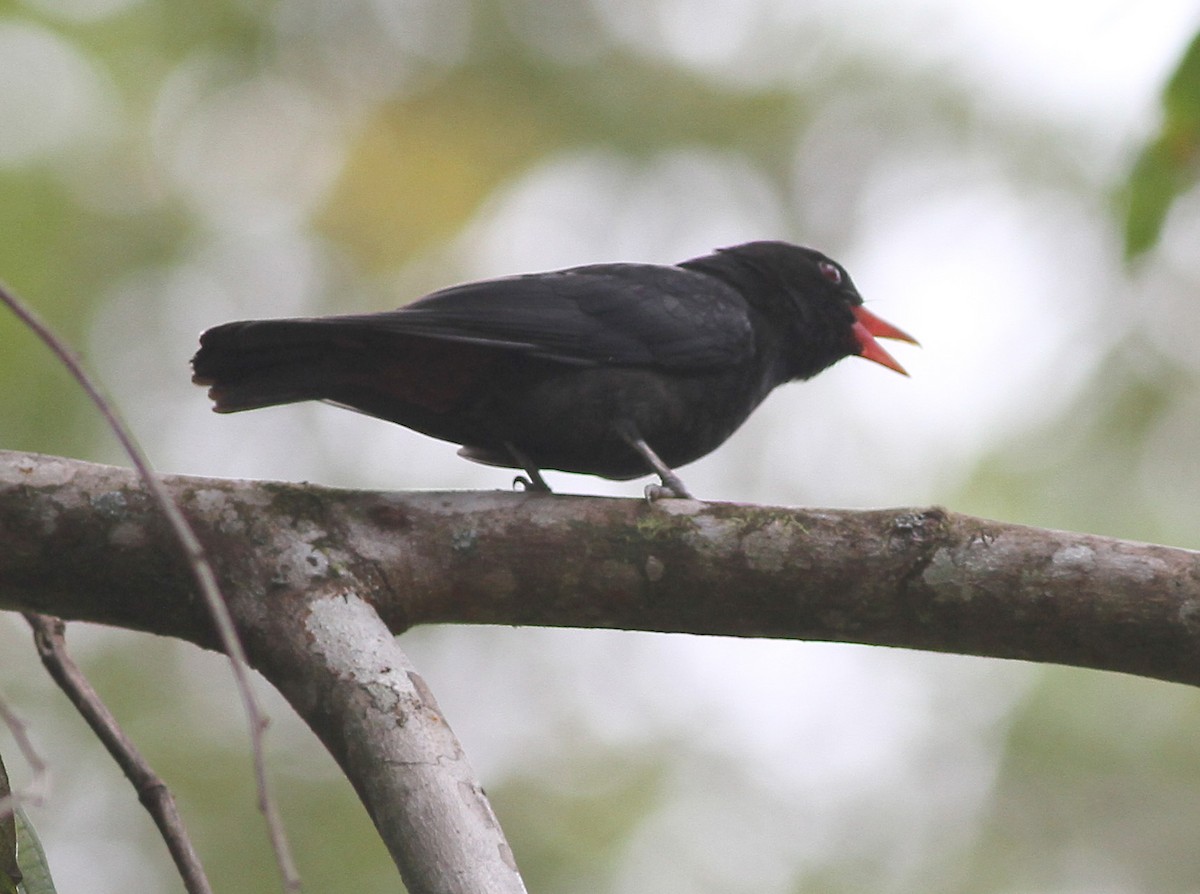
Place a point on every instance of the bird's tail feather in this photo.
(261, 363)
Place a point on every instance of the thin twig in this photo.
(206, 579)
(35, 792)
(49, 637)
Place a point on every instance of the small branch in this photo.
(35, 792)
(152, 791)
(200, 567)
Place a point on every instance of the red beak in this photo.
(867, 328)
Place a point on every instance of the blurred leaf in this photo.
(23, 867)
(10, 873)
(1168, 166)
(33, 859)
(1153, 186)
(1181, 98)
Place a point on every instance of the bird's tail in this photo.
(261, 363)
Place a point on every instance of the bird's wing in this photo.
(615, 314)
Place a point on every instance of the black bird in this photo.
(616, 370)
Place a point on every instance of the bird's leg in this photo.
(535, 481)
(672, 484)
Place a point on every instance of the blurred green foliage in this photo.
(34, 866)
(23, 867)
(10, 873)
(1169, 165)
(1078, 788)
(570, 839)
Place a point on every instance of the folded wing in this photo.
(615, 314)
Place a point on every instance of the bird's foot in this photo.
(532, 480)
(672, 485)
(670, 489)
(536, 486)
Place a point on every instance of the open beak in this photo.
(868, 327)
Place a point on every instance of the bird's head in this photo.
(824, 312)
(866, 327)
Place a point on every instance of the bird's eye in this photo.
(831, 272)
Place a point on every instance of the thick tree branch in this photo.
(307, 570)
(82, 541)
(340, 667)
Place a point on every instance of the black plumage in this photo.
(617, 370)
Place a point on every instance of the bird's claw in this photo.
(523, 484)
(668, 490)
